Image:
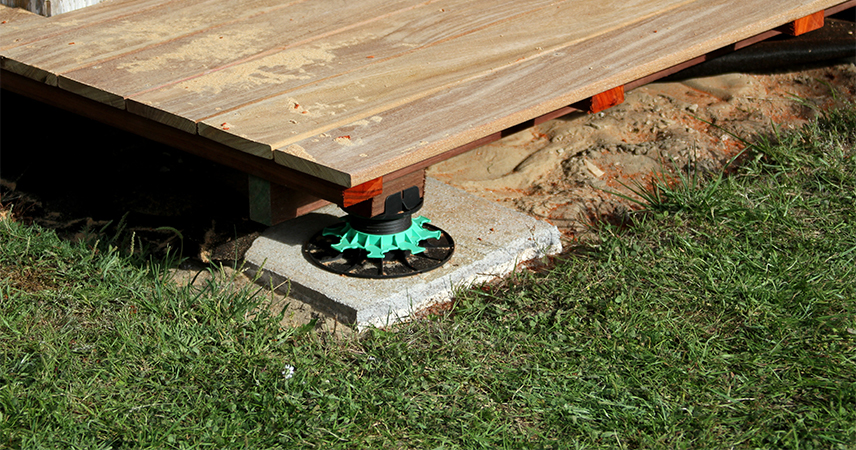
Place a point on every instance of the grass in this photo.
(723, 317)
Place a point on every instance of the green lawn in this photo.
(723, 316)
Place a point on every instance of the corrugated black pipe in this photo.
(836, 40)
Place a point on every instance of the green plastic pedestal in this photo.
(377, 245)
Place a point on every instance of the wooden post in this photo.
(803, 25)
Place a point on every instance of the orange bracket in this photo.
(803, 25)
(602, 101)
(362, 192)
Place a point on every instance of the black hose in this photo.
(836, 40)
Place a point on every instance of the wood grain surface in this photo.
(349, 92)
(803, 25)
(12, 18)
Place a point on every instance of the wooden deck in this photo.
(344, 93)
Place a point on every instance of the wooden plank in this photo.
(263, 38)
(286, 68)
(429, 126)
(840, 7)
(87, 46)
(727, 49)
(12, 19)
(425, 163)
(76, 20)
(584, 105)
(49, 8)
(326, 149)
(803, 25)
(357, 97)
(456, 88)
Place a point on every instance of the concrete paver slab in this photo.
(490, 241)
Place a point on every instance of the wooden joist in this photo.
(271, 203)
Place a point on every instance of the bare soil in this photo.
(564, 171)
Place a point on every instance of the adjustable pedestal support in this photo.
(392, 244)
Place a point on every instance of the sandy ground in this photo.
(564, 170)
(561, 171)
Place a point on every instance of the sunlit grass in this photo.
(724, 317)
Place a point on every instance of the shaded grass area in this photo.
(724, 317)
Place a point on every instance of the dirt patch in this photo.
(29, 279)
(564, 170)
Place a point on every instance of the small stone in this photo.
(593, 169)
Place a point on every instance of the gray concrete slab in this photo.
(490, 241)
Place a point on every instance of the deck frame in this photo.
(280, 193)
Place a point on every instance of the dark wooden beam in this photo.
(840, 7)
(271, 203)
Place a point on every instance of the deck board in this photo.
(13, 18)
(313, 62)
(128, 33)
(228, 45)
(512, 95)
(348, 92)
(88, 17)
(363, 95)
